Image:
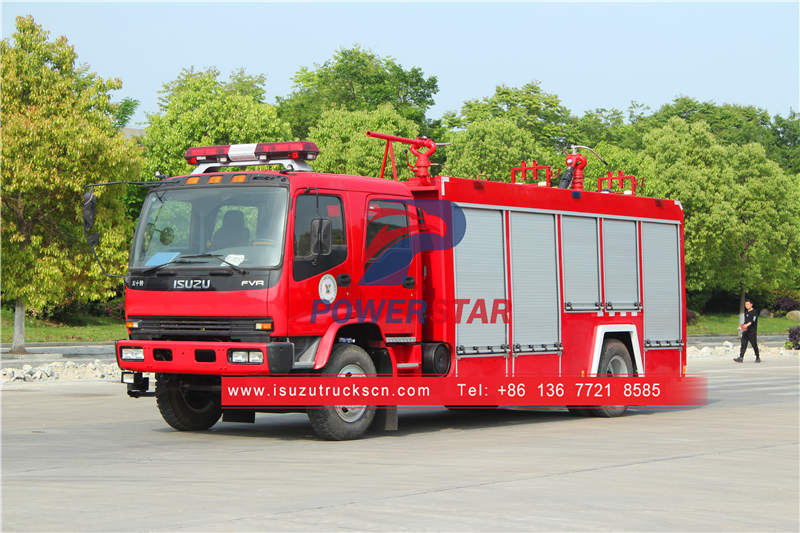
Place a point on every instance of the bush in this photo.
(794, 338)
(784, 304)
(691, 317)
(115, 308)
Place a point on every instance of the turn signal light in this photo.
(264, 326)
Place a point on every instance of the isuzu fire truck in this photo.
(241, 273)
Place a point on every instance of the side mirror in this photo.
(89, 206)
(321, 238)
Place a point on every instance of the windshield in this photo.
(233, 226)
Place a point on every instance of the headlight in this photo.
(132, 354)
(238, 357)
(254, 357)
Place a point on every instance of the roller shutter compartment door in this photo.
(480, 275)
(661, 273)
(534, 281)
(581, 263)
(620, 260)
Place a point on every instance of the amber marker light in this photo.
(215, 179)
(192, 181)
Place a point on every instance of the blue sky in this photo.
(591, 55)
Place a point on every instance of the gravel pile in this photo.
(68, 370)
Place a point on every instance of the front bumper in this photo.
(190, 357)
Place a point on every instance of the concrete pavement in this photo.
(81, 456)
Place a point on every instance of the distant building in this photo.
(132, 133)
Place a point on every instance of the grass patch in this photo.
(726, 324)
(91, 329)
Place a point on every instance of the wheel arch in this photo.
(367, 335)
(628, 335)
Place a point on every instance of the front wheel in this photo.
(344, 422)
(185, 409)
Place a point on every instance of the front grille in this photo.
(196, 328)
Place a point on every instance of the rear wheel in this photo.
(185, 409)
(615, 361)
(344, 422)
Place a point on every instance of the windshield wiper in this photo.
(221, 257)
(180, 261)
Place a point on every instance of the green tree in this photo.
(355, 79)
(59, 134)
(199, 109)
(730, 124)
(741, 209)
(127, 107)
(539, 113)
(786, 147)
(346, 149)
(492, 147)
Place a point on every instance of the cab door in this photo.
(319, 283)
(390, 281)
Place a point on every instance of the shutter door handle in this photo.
(343, 280)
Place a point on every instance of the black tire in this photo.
(186, 410)
(579, 411)
(615, 361)
(342, 422)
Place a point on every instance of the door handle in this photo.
(409, 282)
(343, 280)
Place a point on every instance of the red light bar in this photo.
(206, 153)
(287, 150)
(296, 150)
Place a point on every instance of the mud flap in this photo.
(385, 419)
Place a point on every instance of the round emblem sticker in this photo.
(327, 288)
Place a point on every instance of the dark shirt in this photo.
(751, 316)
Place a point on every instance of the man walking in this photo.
(749, 330)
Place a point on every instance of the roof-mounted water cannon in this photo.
(575, 164)
(423, 163)
(292, 155)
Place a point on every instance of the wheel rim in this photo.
(616, 366)
(351, 413)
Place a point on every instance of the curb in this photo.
(7, 345)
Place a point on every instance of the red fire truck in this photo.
(241, 273)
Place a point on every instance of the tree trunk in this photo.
(18, 341)
(741, 309)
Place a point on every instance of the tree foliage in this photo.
(345, 148)
(355, 79)
(59, 134)
(741, 211)
(539, 113)
(199, 109)
(491, 147)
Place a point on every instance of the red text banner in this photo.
(256, 391)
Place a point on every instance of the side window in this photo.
(387, 227)
(306, 264)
